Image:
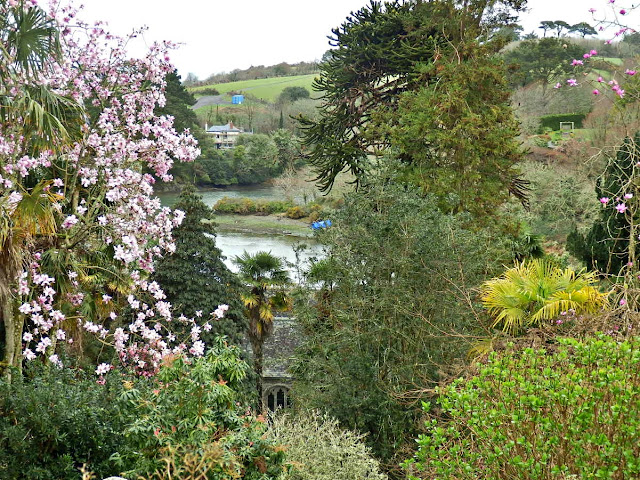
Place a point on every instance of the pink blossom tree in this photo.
(80, 151)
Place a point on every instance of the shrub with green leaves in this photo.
(570, 412)
(53, 421)
(190, 412)
(318, 449)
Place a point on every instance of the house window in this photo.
(278, 397)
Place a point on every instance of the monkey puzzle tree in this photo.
(387, 50)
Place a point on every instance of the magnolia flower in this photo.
(577, 62)
(572, 82)
(596, 91)
(628, 195)
(630, 72)
(103, 368)
(621, 208)
(70, 221)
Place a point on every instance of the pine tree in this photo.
(195, 277)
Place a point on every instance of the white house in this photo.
(225, 136)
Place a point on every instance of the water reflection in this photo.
(233, 244)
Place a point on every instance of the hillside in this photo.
(266, 89)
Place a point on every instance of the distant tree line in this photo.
(254, 72)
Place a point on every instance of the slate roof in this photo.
(229, 127)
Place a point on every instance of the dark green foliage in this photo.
(391, 311)
(583, 28)
(291, 94)
(195, 278)
(208, 91)
(53, 421)
(553, 121)
(541, 60)
(605, 247)
(384, 50)
(567, 412)
(178, 104)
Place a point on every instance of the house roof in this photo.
(229, 127)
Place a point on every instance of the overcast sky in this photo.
(223, 35)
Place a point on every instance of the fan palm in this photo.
(46, 120)
(536, 291)
(266, 276)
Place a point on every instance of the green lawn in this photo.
(264, 88)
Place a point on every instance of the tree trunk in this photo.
(13, 340)
(257, 366)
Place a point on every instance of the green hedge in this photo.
(553, 121)
(247, 206)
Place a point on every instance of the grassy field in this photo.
(264, 88)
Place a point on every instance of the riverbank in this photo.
(263, 225)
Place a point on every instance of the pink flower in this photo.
(586, 55)
(630, 72)
(623, 301)
(623, 12)
(557, 85)
(577, 62)
(103, 368)
(572, 82)
(69, 222)
(592, 10)
(621, 208)
(628, 195)
(596, 91)
(600, 79)
(593, 52)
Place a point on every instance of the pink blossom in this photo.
(628, 196)
(596, 91)
(623, 301)
(103, 368)
(572, 82)
(577, 62)
(621, 208)
(623, 12)
(593, 52)
(69, 222)
(557, 85)
(630, 72)
(600, 79)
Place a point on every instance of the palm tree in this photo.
(47, 121)
(266, 276)
(535, 291)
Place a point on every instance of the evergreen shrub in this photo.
(568, 412)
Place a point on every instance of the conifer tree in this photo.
(195, 277)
